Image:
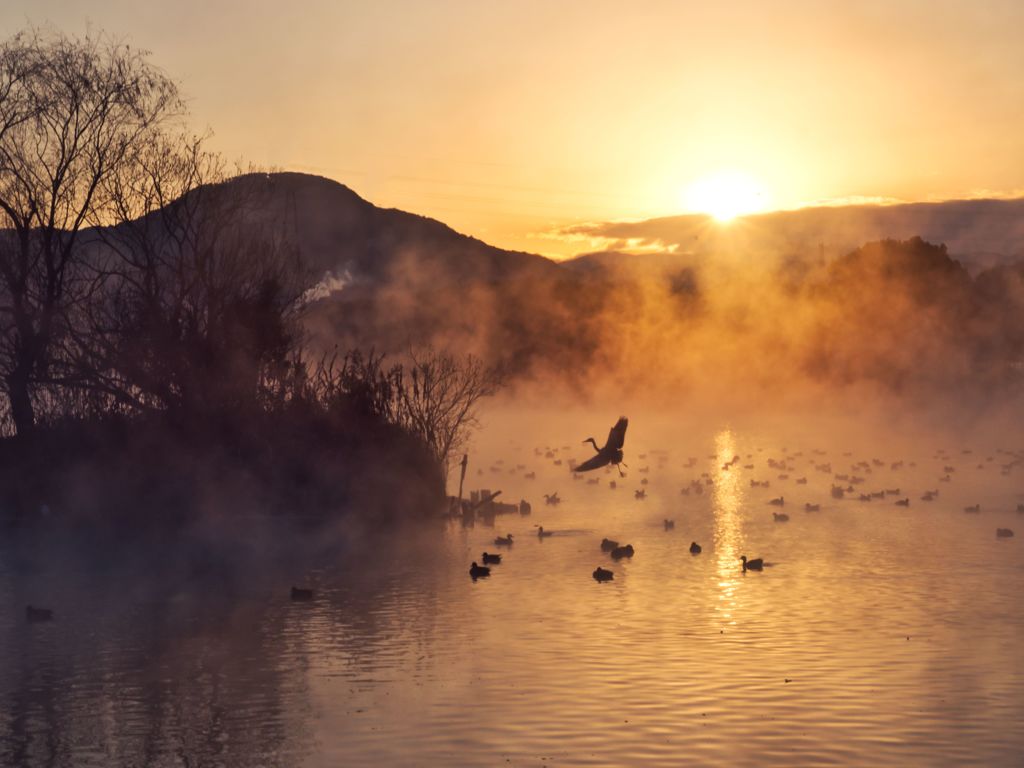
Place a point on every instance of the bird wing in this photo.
(617, 434)
(594, 462)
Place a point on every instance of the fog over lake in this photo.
(875, 633)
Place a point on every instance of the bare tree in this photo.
(71, 112)
(200, 287)
(439, 397)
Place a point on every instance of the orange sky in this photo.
(508, 120)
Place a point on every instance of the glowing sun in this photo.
(725, 195)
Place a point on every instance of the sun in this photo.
(725, 195)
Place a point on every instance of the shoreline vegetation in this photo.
(154, 365)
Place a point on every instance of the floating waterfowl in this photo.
(973, 510)
(38, 614)
(695, 548)
(503, 541)
(542, 534)
(669, 524)
(752, 565)
(524, 507)
(490, 559)
(479, 571)
(603, 574)
(302, 593)
(903, 503)
(607, 545)
(620, 552)
(780, 517)
(1004, 533)
(779, 502)
(641, 494)
(812, 507)
(552, 498)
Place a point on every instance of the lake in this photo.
(875, 635)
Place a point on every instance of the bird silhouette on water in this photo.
(610, 453)
(752, 565)
(479, 571)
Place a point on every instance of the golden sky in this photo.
(507, 120)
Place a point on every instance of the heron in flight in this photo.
(611, 453)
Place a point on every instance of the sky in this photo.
(511, 120)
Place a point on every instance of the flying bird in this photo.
(611, 453)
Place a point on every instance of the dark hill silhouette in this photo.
(338, 231)
(409, 280)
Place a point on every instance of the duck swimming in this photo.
(669, 524)
(542, 534)
(603, 574)
(695, 548)
(301, 593)
(620, 552)
(479, 571)
(504, 541)
(752, 565)
(779, 502)
(38, 614)
(490, 559)
(607, 545)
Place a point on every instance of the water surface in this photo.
(876, 634)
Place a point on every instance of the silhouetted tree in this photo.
(200, 300)
(71, 112)
(439, 396)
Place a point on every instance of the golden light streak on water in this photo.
(728, 496)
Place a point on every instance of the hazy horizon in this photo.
(509, 123)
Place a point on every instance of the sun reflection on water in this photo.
(728, 495)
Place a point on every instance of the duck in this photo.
(603, 574)
(695, 548)
(1004, 533)
(542, 534)
(607, 545)
(611, 485)
(973, 510)
(38, 614)
(490, 559)
(620, 552)
(903, 503)
(779, 502)
(552, 498)
(503, 541)
(812, 507)
(302, 593)
(524, 507)
(780, 517)
(669, 524)
(641, 494)
(479, 571)
(752, 565)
